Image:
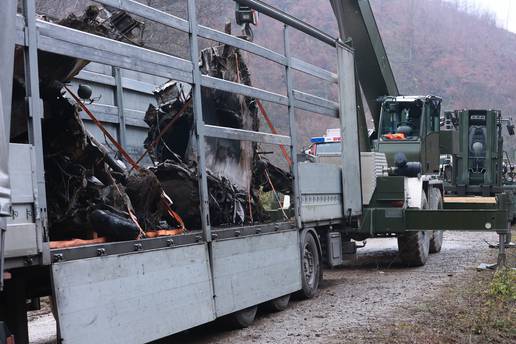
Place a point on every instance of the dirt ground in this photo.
(364, 302)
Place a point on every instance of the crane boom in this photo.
(356, 20)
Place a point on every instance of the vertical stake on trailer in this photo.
(201, 143)
(7, 46)
(351, 173)
(3, 228)
(119, 98)
(35, 111)
(199, 123)
(292, 127)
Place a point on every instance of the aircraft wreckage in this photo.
(93, 197)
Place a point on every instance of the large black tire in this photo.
(243, 318)
(310, 268)
(414, 247)
(436, 237)
(279, 304)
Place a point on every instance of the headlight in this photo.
(509, 179)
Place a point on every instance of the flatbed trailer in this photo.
(142, 290)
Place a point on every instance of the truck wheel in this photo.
(436, 237)
(243, 318)
(414, 247)
(310, 268)
(436, 241)
(279, 304)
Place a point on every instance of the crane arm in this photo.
(356, 20)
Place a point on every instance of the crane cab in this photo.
(410, 125)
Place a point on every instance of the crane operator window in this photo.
(401, 121)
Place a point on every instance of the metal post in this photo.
(35, 107)
(351, 174)
(3, 228)
(292, 126)
(199, 123)
(119, 99)
(7, 44)
(502, 258)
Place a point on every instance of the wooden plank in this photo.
(470, 200)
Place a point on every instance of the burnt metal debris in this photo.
(55, 69)
(232, 159)
(90, 193)
(236, 171)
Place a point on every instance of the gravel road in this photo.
(353, 300)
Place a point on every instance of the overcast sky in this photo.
(505, 10)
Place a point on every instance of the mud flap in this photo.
(5, 335)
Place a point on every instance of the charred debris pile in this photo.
(94, 197)
(236, 171)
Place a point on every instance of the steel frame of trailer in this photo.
(254, 263)
(37, 34)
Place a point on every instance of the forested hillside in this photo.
(435, 48)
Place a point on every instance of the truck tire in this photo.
(279, 304)
(310, 268)
(414, 247)
(436, 237)
(243, 318)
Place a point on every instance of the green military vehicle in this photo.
(474, 141)
(509, 182)
(401, 185)
(509, 186)
(472, 145)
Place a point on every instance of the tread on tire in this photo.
(414, 247)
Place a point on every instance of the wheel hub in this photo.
(308, 264)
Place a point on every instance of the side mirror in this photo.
(510, 129)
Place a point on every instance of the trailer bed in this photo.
(136, 292)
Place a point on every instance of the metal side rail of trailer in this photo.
(114, 293)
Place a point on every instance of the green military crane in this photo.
(473, 155)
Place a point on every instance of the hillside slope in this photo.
(434, 48)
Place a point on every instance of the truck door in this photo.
(431, 154)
